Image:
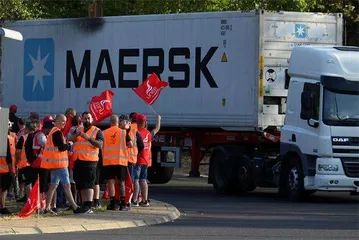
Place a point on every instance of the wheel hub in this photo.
(293, 179)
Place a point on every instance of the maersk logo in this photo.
(340, 140)
(300, 30)
(39, 69)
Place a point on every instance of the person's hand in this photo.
(78, 131)
(159, 118)
(84, 135)
(70, 142)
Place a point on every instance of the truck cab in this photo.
(319, 143)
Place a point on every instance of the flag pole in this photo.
(38, 197)
(152, 109)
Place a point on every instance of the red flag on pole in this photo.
(150, 89)
(33, 201)
(101, 106)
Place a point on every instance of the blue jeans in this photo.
(131, 169)
(140, 172)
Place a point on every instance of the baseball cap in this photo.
(34, 115)
(13, 108)
(48, 119)
(133, 116)
(124, 118)
(141, 118)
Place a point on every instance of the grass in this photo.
(15, 208)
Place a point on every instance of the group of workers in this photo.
(70, 150)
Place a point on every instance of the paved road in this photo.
(258, 215)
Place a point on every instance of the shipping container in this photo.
(225, 69)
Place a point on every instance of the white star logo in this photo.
(300, 30)
(38, 71)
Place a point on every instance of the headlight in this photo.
(328, 168)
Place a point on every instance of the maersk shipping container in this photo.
(225, 69)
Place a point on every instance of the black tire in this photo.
(245, 181)
(160, 175)
(295, 181)
(218, 172)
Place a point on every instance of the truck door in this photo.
(307, 136)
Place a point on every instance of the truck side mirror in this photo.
(306, 112)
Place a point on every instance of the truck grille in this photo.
(351, 166)
(345, 147)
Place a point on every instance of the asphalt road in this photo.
(258, 215)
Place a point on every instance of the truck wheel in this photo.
(218, 172)
(295, 181)
(160, 175)
(245, 182)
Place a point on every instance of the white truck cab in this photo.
(320, 137)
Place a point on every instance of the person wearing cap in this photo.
(6, 169)
(35, 116)
(13, 118)
(137, 147)
(144, 159)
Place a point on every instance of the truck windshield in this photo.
(340, 109)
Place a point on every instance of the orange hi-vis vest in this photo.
(83, 149)
(23, 160)
(114, 150)
(52, 158)
(12, 139)
(132, 152)
(4, 167)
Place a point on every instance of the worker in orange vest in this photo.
(144, 160)
(55, 159)
(115, 161)
(24, 171)
(87, 142)
(6, 169)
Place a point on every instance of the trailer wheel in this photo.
(160, 175)
(156, 173)
(218, 172)
(295, 181)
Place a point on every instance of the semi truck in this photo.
(228, 95)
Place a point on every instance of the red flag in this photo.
(106, 194)
(33, 201)
(150, 89)
(101, 106)
(128, 187)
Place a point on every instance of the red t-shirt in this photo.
(145, 157)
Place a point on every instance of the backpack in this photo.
(30, 156)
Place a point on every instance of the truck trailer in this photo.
(228, 83)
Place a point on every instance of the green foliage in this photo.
(36, 9)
